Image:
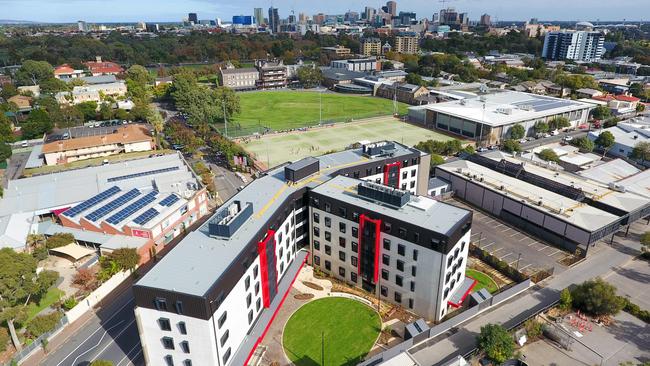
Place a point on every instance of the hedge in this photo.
(43, 324)
(635, 310)
(498, 264)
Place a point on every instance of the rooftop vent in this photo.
(229, 219)
(392, 196)
(378, 148)
(301, 169)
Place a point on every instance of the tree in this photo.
(53, 85)
(511, 146)
(533, 329)
(601, 112)
(558, 123)
(415, 79)
(597, 297)
(566, 300)
(641, 151)
(496, 342)
(541, 127)
(226, 97)
(548, 155)
(59, 239)
(605, 141)
(84, 278)
(70, 116)
(34, 72)
(645, 239)
(8, 91)
(37, 124)
(583, 143)
(87, 109)
(309, 77)
(436, 160)
(139, 75)
(517, 132)
(5, 151)
(157, 122)
(105, 111)
(640, 107)
(125, 258)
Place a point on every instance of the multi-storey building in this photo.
(407, 42)
(240, 79)
(259, 16)
(274, 20)
(371, 47)
(572, 45)
(272, 75)
(208, 301)
(357, 64)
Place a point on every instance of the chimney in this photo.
(98, 58)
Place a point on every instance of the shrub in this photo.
(496, 342)
(565, 299)
(4, 339)
(84, 278)
(69, 303)
(511, 146)
(43, 324)
(597, 297)
(634, 309)
(124, 258)
(533, 329)
(548, 155)
(102, 363)
(59, 240)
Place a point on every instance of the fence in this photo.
(27, 350)
(96, 296)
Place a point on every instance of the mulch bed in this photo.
(303, 296)
(313, 286)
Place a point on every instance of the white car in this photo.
(567, 138)
(555, 133)
(523, 141)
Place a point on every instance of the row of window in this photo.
(169, 361)
(397, 296)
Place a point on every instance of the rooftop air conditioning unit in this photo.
(502, 187)
(617, 187)
(539, 203)
(463, 102)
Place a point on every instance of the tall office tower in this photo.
(82, 26)
(302, 18)
(485, 20)
(574, 45)
(292, 19)
(192, 17)
(406, 17)
(369, 13)
(319, 18)
(259, 16)
(274, 20)
(534, 21)
(392, 8)
(351, 16)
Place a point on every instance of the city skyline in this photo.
(68, 11)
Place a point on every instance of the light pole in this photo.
(320, 105)
(225, 120)
(518, 258)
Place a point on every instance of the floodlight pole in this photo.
(320, 105)
(225, 120)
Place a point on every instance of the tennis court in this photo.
(274, 149)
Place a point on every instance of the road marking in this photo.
(533, 242)
(526, 266)
(543, 247)
(506, 255)
(74, 362)
(489, 221)
(473, 235)
(555, 252)
(510, 264)
(110, 343)
(523, 238)
(485, 246)
(506, 229)
(499, 225)
(135, 357)
(131, 350)
(97, 330)
(497, 250)
(514, 234)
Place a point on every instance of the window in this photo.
(328, 236)
(316, 245)
(462, 246)
(316, 232)
(447, 277)
(384, 291)
(355, 175)
(164, 324)
(416, 237)
(385, 259)
(353, 276)
(401, 232)
(387, 227)
(258, 303)
(169, 361)
(398, 297)
(328, 265)
(224, 338)
(405, 174)
(410, 303)
(401, 249)
(226, 355)
(247, 283)
(378, 170)
(355, 232)
(342, 241)
(257, 288)
(399, 281)
(256, 269)
(400, 265)
(414, 271)
(328, 250)
(328, 222)
(341, 271)
(403, 187)
(343, 212)
(413, 173)
(182, 328)
(353, 260)
(185, 346)
(316, 217)
(187, 363)
(342, 227)
(384, 274)
(168, 342)
(249, 300)
(160, 303)
(222, 319)
(412, 286)
(415, 254)
(317, 260)
(342, 255)
(450, 260)
(328, 207)
(355, 216)
(250, 317)
(386, 244)
(412, 185)
(368, 171)
(355, 247)
(179, 307)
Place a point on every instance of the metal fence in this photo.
(37, 343)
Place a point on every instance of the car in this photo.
(568, 138)
(24, 144)
(105, 162)
(66, 136)
(523, 141)
(240, 188)
(546, 135)
(124, 122)
(555, 133)
(97, 124)
(482, 149)
(493, 147)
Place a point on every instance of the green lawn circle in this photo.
(349, 330)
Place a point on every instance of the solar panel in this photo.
(132, 208)
(111, 206)
(143, 174)
(169, 200)
(76, 210)
(146, 216)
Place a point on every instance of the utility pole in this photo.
(518, 258)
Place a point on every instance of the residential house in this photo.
(99, 67)
(588, 93)
(627, 135)
(66, 71)
(619, 104)
(92, 93)
(23, 102)
(616, 86)
(31, 90)
(5, 80)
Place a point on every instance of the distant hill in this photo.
(11, 21)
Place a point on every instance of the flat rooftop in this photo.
(576, 213)
(504, 108)
(199, 260)
(422, 211)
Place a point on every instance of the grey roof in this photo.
(99, 79)
(105, 241)
(199, 260)
(341, 74)
(422, 211)
(610, 172)
(239, 71)
(436, 182)
(35, 160)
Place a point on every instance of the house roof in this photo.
(104, 67)
(21, 101)
(239, 71)
(123, 135)
(63, 70)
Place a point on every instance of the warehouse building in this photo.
(209, 300)
(489, 118)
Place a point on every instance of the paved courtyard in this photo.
(632, 280)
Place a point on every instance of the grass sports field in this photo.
(340, 330)
(284, 110)
(275, 149)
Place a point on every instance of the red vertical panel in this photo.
(264, 269)
(377, 248)
(387, 167)
(362, 221)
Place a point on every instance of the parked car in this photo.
(555, 133)
(24, 144)
(523, 141)
(66, 136)
(482, 149)
(546, 135)
(568, 138)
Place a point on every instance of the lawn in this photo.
(348, 328)
(274, 149)
(283, 110)
(53, 295)
(483, 281)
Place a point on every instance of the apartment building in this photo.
(240, 79)
(272, 75)
(574, 45)
(371, 47)
(357, 64)
(407, 42)
(92, 93)
(211, 297)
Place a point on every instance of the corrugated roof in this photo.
(123, 135)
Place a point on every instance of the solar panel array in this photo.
(132, 208)
(76, 210)
(111, 206)
(143, 174)
(540, 105)
(146, 216)
(169, 200)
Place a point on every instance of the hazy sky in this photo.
(175, 10)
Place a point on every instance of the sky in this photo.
(174, 10)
